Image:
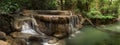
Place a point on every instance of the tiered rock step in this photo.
(45, 12)
(54, 16)
(55, 23)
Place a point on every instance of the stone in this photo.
(53, 40)
(17, 42)
(55, 30)
(35, 40)
(45, 12)
(2, 36)
(3, 42)
(53, 18)
(20, 35)
(59, 42)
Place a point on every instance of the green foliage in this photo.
(97, 14)
(10, 6)
(52, 4)
(102, 9)
(41, 4)
(70, 4)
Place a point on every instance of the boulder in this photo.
(2, 36)
(20, 35)
(3, 42)
(17, 42)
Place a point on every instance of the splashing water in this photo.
(27, 29)
(45, 43)
(73, 21)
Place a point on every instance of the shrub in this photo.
(102, 9)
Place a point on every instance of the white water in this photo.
(27, 29)
(45, 43)
(72, 30)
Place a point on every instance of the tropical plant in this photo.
(102, 9)
(10, 6)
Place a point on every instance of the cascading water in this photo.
(72, 23)
(27, 29)
(52, 26)
(31, 29)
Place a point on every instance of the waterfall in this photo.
(31, 29)
(69, 29)
(72, 28)
(27, 29)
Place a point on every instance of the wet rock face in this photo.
(60, 31)
(55, 30)
(53, 18)
(58, 26)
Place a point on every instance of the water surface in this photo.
(91, 36)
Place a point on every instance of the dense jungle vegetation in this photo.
(96, 10)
